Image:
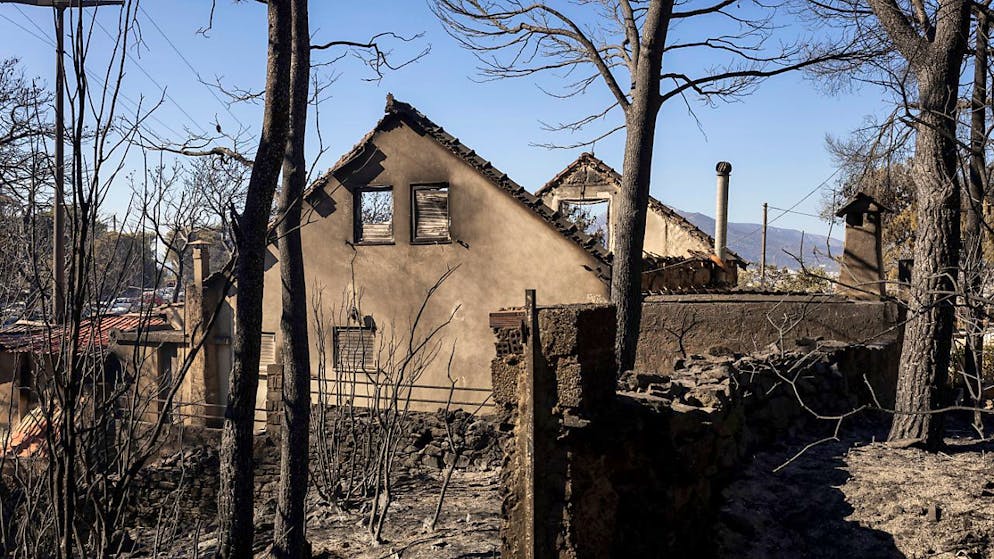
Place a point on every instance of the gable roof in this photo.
(398, 111)
(589, 160)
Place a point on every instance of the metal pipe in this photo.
(762, 260)
(724, 169)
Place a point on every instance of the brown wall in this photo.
(666, 237)
(500, 248)
(746, 323)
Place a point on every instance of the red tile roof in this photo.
(93, 333)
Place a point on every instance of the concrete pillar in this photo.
(201, 262)
(201, 390)
(862, 273)
(723, 169)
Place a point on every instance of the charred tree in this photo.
(934, 48)
(235, 493)
(621, 46)
(633, 196)
(289, 540)
(973, 364)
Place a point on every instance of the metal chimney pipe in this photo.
(724, 169)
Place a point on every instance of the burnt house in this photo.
(679, 255)
(409, 204)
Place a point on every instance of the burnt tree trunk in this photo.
(973, 365)
(633, 196)
(289, 539)
(924, 367)
(235, 493)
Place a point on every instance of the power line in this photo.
(26, 30)
(795, 212)
(189, 65)
(133, 104)
(33, 22)
(153, 80)
(784, 212)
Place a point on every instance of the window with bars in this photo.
(431, 213)
(374, 215)
(355, 348)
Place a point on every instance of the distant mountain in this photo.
(746, 240)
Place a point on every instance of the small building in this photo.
(682, 254)
(30, 353)
(171, 359)
(188, 360)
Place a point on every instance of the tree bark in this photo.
(633, 196)
(632, 201)
(924, 366)
(289, 540)
(235, 493)
(973, 365)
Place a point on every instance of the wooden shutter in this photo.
(355, 349)
(377, 231)
(431, 214)
(267, 355)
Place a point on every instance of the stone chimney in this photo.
(201, 262)
(724, 169)
(862, 273)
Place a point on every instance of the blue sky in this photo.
(774, 138)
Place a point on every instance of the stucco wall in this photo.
(499, 249)
(665, 237)
(588, 191)
(675, 326)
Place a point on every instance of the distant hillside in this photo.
(747, 241)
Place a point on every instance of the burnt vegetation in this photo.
(164, 391)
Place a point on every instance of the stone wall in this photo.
(181, 486)
(678, 326)
(687, 273)
(636, 471)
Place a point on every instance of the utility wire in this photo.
(25, 29)
(189, 65)
(154, 81)
(134, 105)
(33, 22)
(784, 212)
(794, 212)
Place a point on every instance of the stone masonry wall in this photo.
(182, 485)
(636, 471)
(678, 326)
